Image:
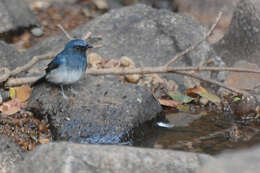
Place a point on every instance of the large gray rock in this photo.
(10, 154)
(9, 57)
(240, 161)
(15, 14)
(102, 111)
(68, 157)
(242, 40)
(149, 36)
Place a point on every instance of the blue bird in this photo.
(69, 65)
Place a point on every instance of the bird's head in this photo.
(78, 45)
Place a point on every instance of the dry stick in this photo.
(6, 74)
(65, 32)
(32, 62)
(86, 36)
(179, 55)
(20, 81)
(213, 82)
(163, 69)
(142, 70)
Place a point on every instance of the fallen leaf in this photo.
(180, 97)
(10, 107)
(169, 103)
(236, 99)
(199, 90)
(183, 108)
(44, 141)
(22, 93)
(12, 93)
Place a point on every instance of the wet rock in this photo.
(101, 110)
(16, 14)
(148, 36)
(69, 157)
(242, 40)
(239, 161)
(10, 154)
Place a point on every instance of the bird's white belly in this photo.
(64, 76)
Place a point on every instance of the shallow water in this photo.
(211, 134)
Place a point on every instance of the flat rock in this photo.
(10, 154)
(238, 161)
(102, 111)
(69, 157)
(16, 14)
(9, 57)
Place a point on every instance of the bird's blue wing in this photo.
(56, 62)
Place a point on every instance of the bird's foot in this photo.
(63, 94)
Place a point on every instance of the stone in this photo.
(100, 110)
(241, 42)
(10, 155)
(69, 157)
(9, 57)
(16, 14)
(236, 161)
(37, 32)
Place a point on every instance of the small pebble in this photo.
(37, 32)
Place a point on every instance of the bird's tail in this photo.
(39, 80)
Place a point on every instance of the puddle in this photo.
(205, 133)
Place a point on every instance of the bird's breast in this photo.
(64, 75)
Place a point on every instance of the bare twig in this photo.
(86, 36)
(212, 82)
(6, 74)
(191, 48)
(20, 81)
(33, 61)
(65, 32)
(149, 70)
(163, 69)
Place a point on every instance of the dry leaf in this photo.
(10, 107)
(23, 93)
(44, 141)
(169, 103)
(199, 90)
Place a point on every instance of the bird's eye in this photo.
(80, 48)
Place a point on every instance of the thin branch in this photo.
(6, 74)
(213, 82)
(86, 36)
(33, 61)
(20, 81)
(191, 48)
(149, 70)
(65, 32)
(163, 69)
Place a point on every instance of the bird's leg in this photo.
(63, 94)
